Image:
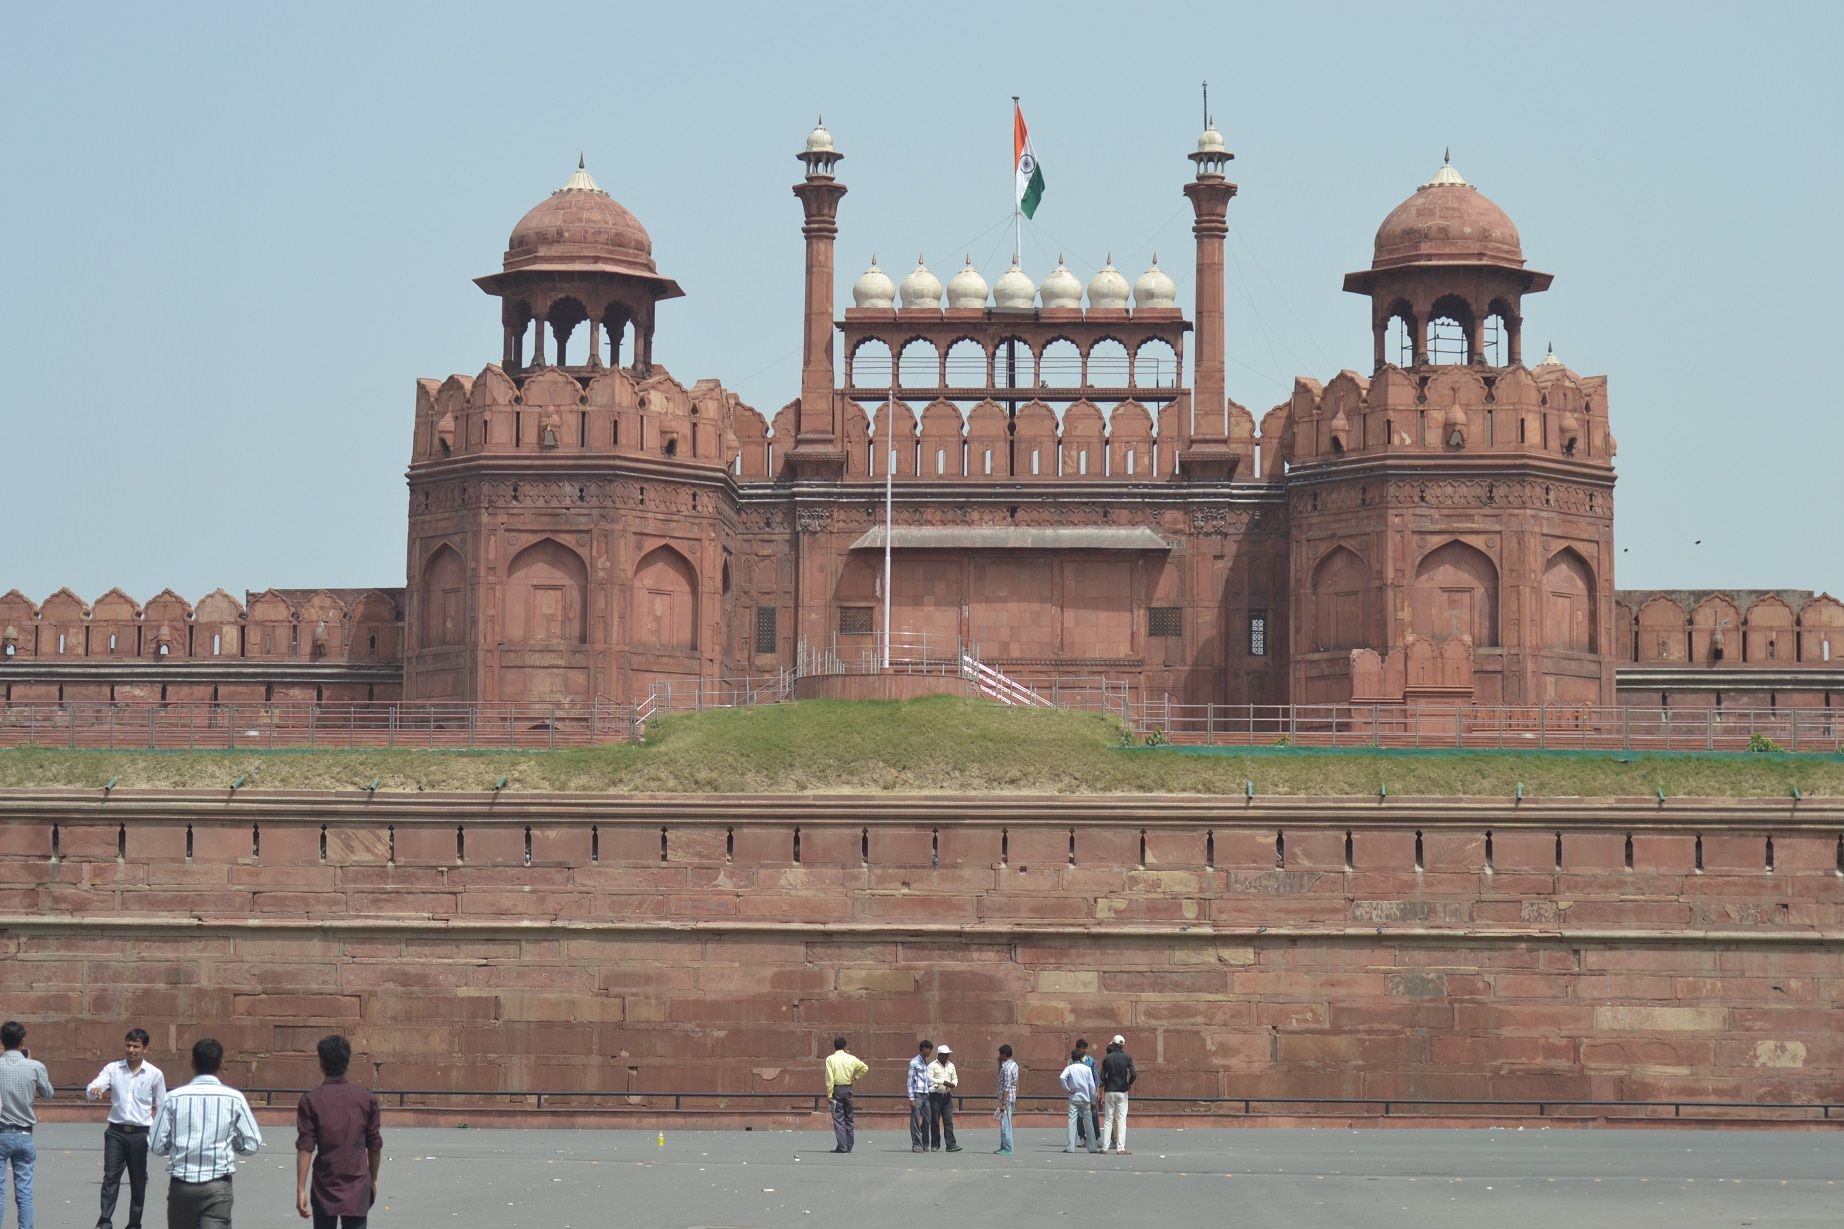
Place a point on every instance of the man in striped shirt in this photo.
(199, 1128)
(1008, 1099)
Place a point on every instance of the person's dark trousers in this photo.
(326, 1220)
(842, 1132)
(123, 1147)
(919, 1122)
(198, 1205)
(941, 1119)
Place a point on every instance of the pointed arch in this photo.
(1340, 589)
(443, 599)
(1570, 613)
(544, 596)
(1456, 594)
(665, 602)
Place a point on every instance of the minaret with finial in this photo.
(816, 439)
(1209, 455)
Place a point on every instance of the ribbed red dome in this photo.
(580, 226)
(1447, 221)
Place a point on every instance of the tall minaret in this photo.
(1209, 455)
(816, 438)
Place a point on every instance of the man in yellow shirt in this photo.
(843, 1069)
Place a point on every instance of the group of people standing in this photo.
(1097, 1097)
(201, 1128)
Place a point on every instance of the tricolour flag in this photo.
(1029, 175)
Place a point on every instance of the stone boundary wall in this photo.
(1406, 948)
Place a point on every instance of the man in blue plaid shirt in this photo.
(1008, 1099)
(918, 1097)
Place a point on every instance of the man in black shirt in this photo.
(1117, 1076)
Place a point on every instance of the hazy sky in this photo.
(238, 233)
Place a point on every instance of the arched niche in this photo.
(940, 441)
(1662, 632)
(1770, 635)
(543, 598)
(1130, 442)
(988, 442)
(1456, 594)
(1084, 451)
(444, 600)
(665, 602)
(1569, 613)
(1341, 582)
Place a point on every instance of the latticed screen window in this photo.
(854, 620)
(1165, 621)
(1258, 633)
(765, 629)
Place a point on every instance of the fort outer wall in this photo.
(1398, 948)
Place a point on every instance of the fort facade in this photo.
(1066, 501)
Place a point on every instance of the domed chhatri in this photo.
(921, 288)
(1155, 288)
(1014, 291)
(1211, 142)
(580, 226)
(1447, 221)
(967, 289)
(1108, 290)
(874, 289)
(1061, 288)
(819, 141)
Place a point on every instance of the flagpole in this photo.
(889, 518)
(1017, 222)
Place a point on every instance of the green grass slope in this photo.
(940, 744)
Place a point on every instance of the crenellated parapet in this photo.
(331, 625)
(1727, 629)
(1448, 411)
(554, 413)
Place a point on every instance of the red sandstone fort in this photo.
(583, 524)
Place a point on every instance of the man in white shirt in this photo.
(135, 1088)
(1079, 1082)
(943, 1081)
(199, 1126)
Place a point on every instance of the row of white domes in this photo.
(1014, 291)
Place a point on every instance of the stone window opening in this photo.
(766, 630)
(672, 445)
(1280, 851)
(1699, 854)
(1350, 851)
(1421, 862)
(112, 642)
(1210, 849)
(855, 621)
(1489, 867)
(1258, 633)
(7, 650)
(1165, 621)
(1447, 341)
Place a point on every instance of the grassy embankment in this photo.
(932, 745)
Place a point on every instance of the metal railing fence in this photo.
(1232, 1105)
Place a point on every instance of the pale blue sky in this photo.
(238, 233)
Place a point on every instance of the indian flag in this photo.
(1029, 175)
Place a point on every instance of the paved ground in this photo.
(1425, 1179)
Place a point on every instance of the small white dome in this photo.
(967, 288)
(1211, 142)
(1155, 289)
(1550, 359)
(921, 288)
(1014, 291)
(1107, 289)
(819, 141)
(874, 288)
(1447, 176)
(1061, 289)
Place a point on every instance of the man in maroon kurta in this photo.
(337, 1128)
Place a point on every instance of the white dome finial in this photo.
(967, 289)
(874, 289)
(921, 288)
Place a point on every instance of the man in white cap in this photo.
(942, 1082)
(1117, 1076)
